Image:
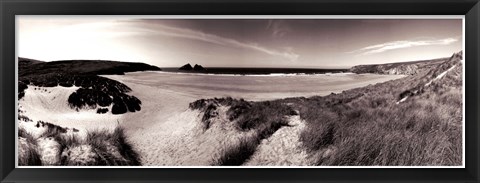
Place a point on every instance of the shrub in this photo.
(102, 110)
(118, 106)
(21, 89)
(94, 91)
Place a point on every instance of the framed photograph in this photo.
(208, 91)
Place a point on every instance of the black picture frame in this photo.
(10, 8)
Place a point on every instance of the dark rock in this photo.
(198, 68)
(186, 67)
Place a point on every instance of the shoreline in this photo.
(258, 75)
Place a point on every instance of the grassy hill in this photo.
(95, 91)
(91, 67)
(372, 125)
(26, 62)
(404, 68)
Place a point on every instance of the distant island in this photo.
(188, 67)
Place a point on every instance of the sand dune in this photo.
(50, 104)
(166, 132)
(283, 148)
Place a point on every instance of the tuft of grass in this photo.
(30, 138)
(113, 148)
(66, 142)
(28, 156)
(237, 154)
(98, 148)
(27, 152)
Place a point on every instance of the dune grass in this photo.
(263, 118)
(239, 153)
(27, 152)
(98, 148)
(363, 126)
(113, 148)
(373, 130)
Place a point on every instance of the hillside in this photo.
(95, 92)
(26, 62)
(402, 68)
(373, 125)
(90, 67)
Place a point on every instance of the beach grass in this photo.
(98, 148)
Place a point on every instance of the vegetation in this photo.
(407, 68)
(95, 91)
(367, 127)
(98, 148)
(363, 126)
(263, 118)
(80, 67)
(237, 154)
(21, 89)
(111, 149)
(102, 110)
(27, 153)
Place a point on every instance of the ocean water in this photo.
(253, 86)
(259, 71)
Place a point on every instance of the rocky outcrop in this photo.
(186, 67)
(198, 68)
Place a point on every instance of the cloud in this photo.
(379, 48)
(278, 28)
(198, 35)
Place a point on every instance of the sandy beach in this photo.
(166, 131)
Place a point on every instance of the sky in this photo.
(295, 43)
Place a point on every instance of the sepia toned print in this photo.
(153, 92)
